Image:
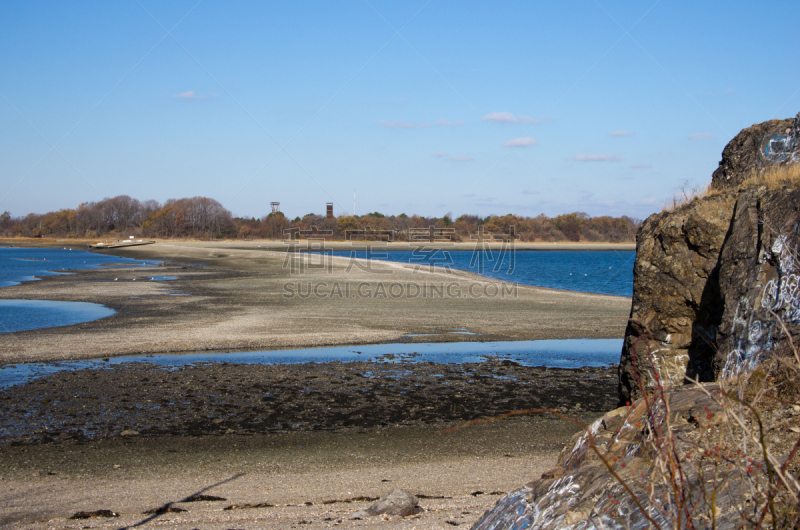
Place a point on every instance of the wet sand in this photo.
(300, 476)
(304, 439)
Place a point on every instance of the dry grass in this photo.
(738, 468)
(773, 177)
(685, 196)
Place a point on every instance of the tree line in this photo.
(205, 218)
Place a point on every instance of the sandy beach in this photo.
(309, 477)
(245, 296)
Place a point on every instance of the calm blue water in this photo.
(23, 315)
(551, 353)
(28, 264)
(588, 271)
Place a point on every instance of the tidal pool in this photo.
(24, 315)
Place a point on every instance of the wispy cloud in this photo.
(700, 136)
(529, 192)
(524, 141)
(440, 154)
(460, 158)
(189, 94)
(444, 122)
(620, 133)
(596, 158)
(641, 166)
(403, 125)
(508, 117)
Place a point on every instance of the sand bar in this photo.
(236, 296)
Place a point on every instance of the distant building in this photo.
(329, 208)
(276, 207)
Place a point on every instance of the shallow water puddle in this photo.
(575, 353)
(24, 315)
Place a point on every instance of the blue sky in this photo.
(420, 106)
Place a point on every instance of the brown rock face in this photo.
(701, 271)
(711, 282)
(676, 305)
(758, 276)
(746, 151)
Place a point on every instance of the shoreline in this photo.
(232, 299)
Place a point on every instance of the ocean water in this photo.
(29, 264)
(588, 271)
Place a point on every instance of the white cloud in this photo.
(596, 158)
(444, 122)
(641, 166)
(700, 136)
(460, 158)
(403, 125)
(524, 141)
(189, 94)
(529, 192)
(440, 154)
(620, 133)
(507, 117)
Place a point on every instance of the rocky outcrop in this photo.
(581, 493)
(701, 269)
(654, 466)
(716, 281)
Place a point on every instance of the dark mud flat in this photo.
(145, 400)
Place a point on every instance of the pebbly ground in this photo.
(226, 399)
